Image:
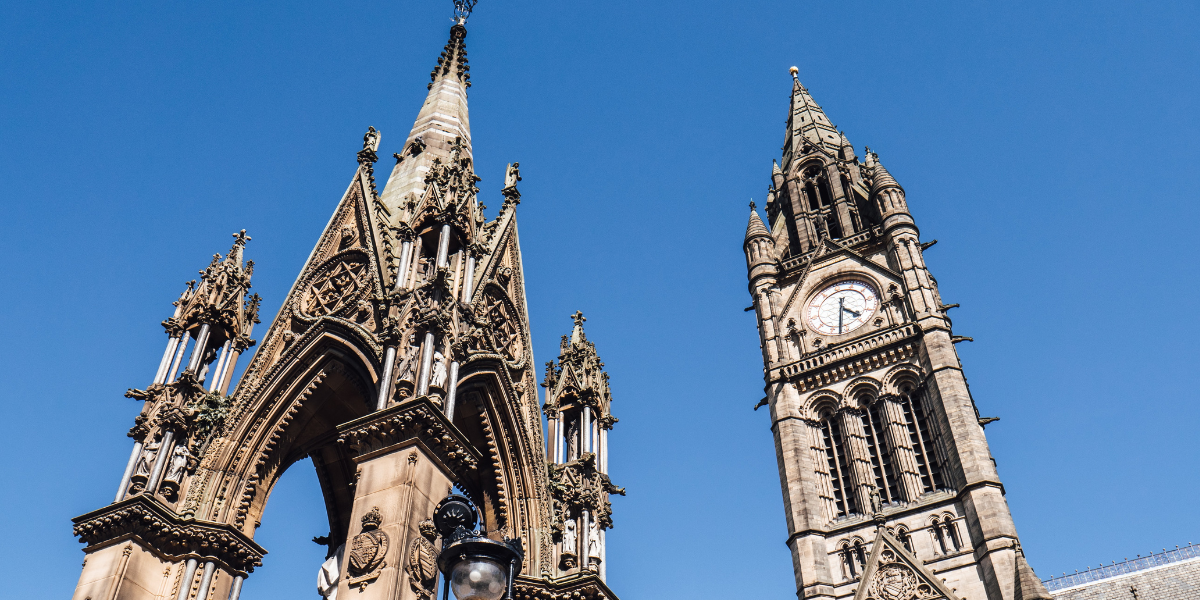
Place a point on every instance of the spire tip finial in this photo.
(752, 206)
(795, 72)
(462, 10)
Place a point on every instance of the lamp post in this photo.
(474, 566)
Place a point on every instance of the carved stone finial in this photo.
(752, 206)
(371, 139)
(578, 318)
(240, 238)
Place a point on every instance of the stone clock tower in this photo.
(889, 490)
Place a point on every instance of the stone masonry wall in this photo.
(1177, 581)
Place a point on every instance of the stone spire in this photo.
(442, 120)
(755, 228)
(808, 127)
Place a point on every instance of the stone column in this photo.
(206, 580)
(133, 458)
(405, 258)
(469, 278)
(408, 457)
(426, 364)
(180, 349)
(160, 461)
(385, 377)
(189, 575)
(443, 245)
(235, 591)
(218, 376)
(165, 364)
(199, 349)
(452, 393)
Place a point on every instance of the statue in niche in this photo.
(141, 473)
(569, 537)
(330, 573)
(573, 441)
(593, 541)
(178, 463)
(438, 378)
(408, 368)
(209, 357)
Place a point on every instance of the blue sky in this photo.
(1051, 148)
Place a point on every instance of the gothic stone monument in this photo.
(400, 363)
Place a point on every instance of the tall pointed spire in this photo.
(442, 119)
(807, 125)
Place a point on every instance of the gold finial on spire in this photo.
(795, 72)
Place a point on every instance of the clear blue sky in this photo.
(1051, 147)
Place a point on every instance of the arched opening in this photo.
(296, 514)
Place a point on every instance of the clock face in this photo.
(842, 307)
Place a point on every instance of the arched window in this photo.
(922, 437)
(853, 558)
(902, 536)
(882, 461)
(945, 534)
(838, 465)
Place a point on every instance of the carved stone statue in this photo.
(593, 540)
(330, 573)
(371, 140)
(408, 368)
(178, 463)
(438, 378)
(876, 501)
(145, 463)
(570, 538)
(573, 441)
(512, 175)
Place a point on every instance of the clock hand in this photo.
(856, 314)
(841, 307)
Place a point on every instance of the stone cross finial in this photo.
(240, 238)
(578, 318)
(752, 206)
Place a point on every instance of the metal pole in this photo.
(185, 586)
(164, 449)
(206, 580)
(137, 452)
(236, 589)
(385, 378)
(451, 394)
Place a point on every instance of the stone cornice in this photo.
(417, 419)
(162, 531)
(849, 359)
(587, 586)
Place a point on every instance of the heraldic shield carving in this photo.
(367, 550)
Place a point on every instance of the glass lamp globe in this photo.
(478, 578)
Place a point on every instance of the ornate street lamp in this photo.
(474, 567)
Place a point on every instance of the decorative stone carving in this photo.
(570, 541)
(421, 565)
(578, 485)
(336, 286)
(368, 550)
(176, 467)
(505, 326)
(894, 582)
(145, 462)
(168, 533)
